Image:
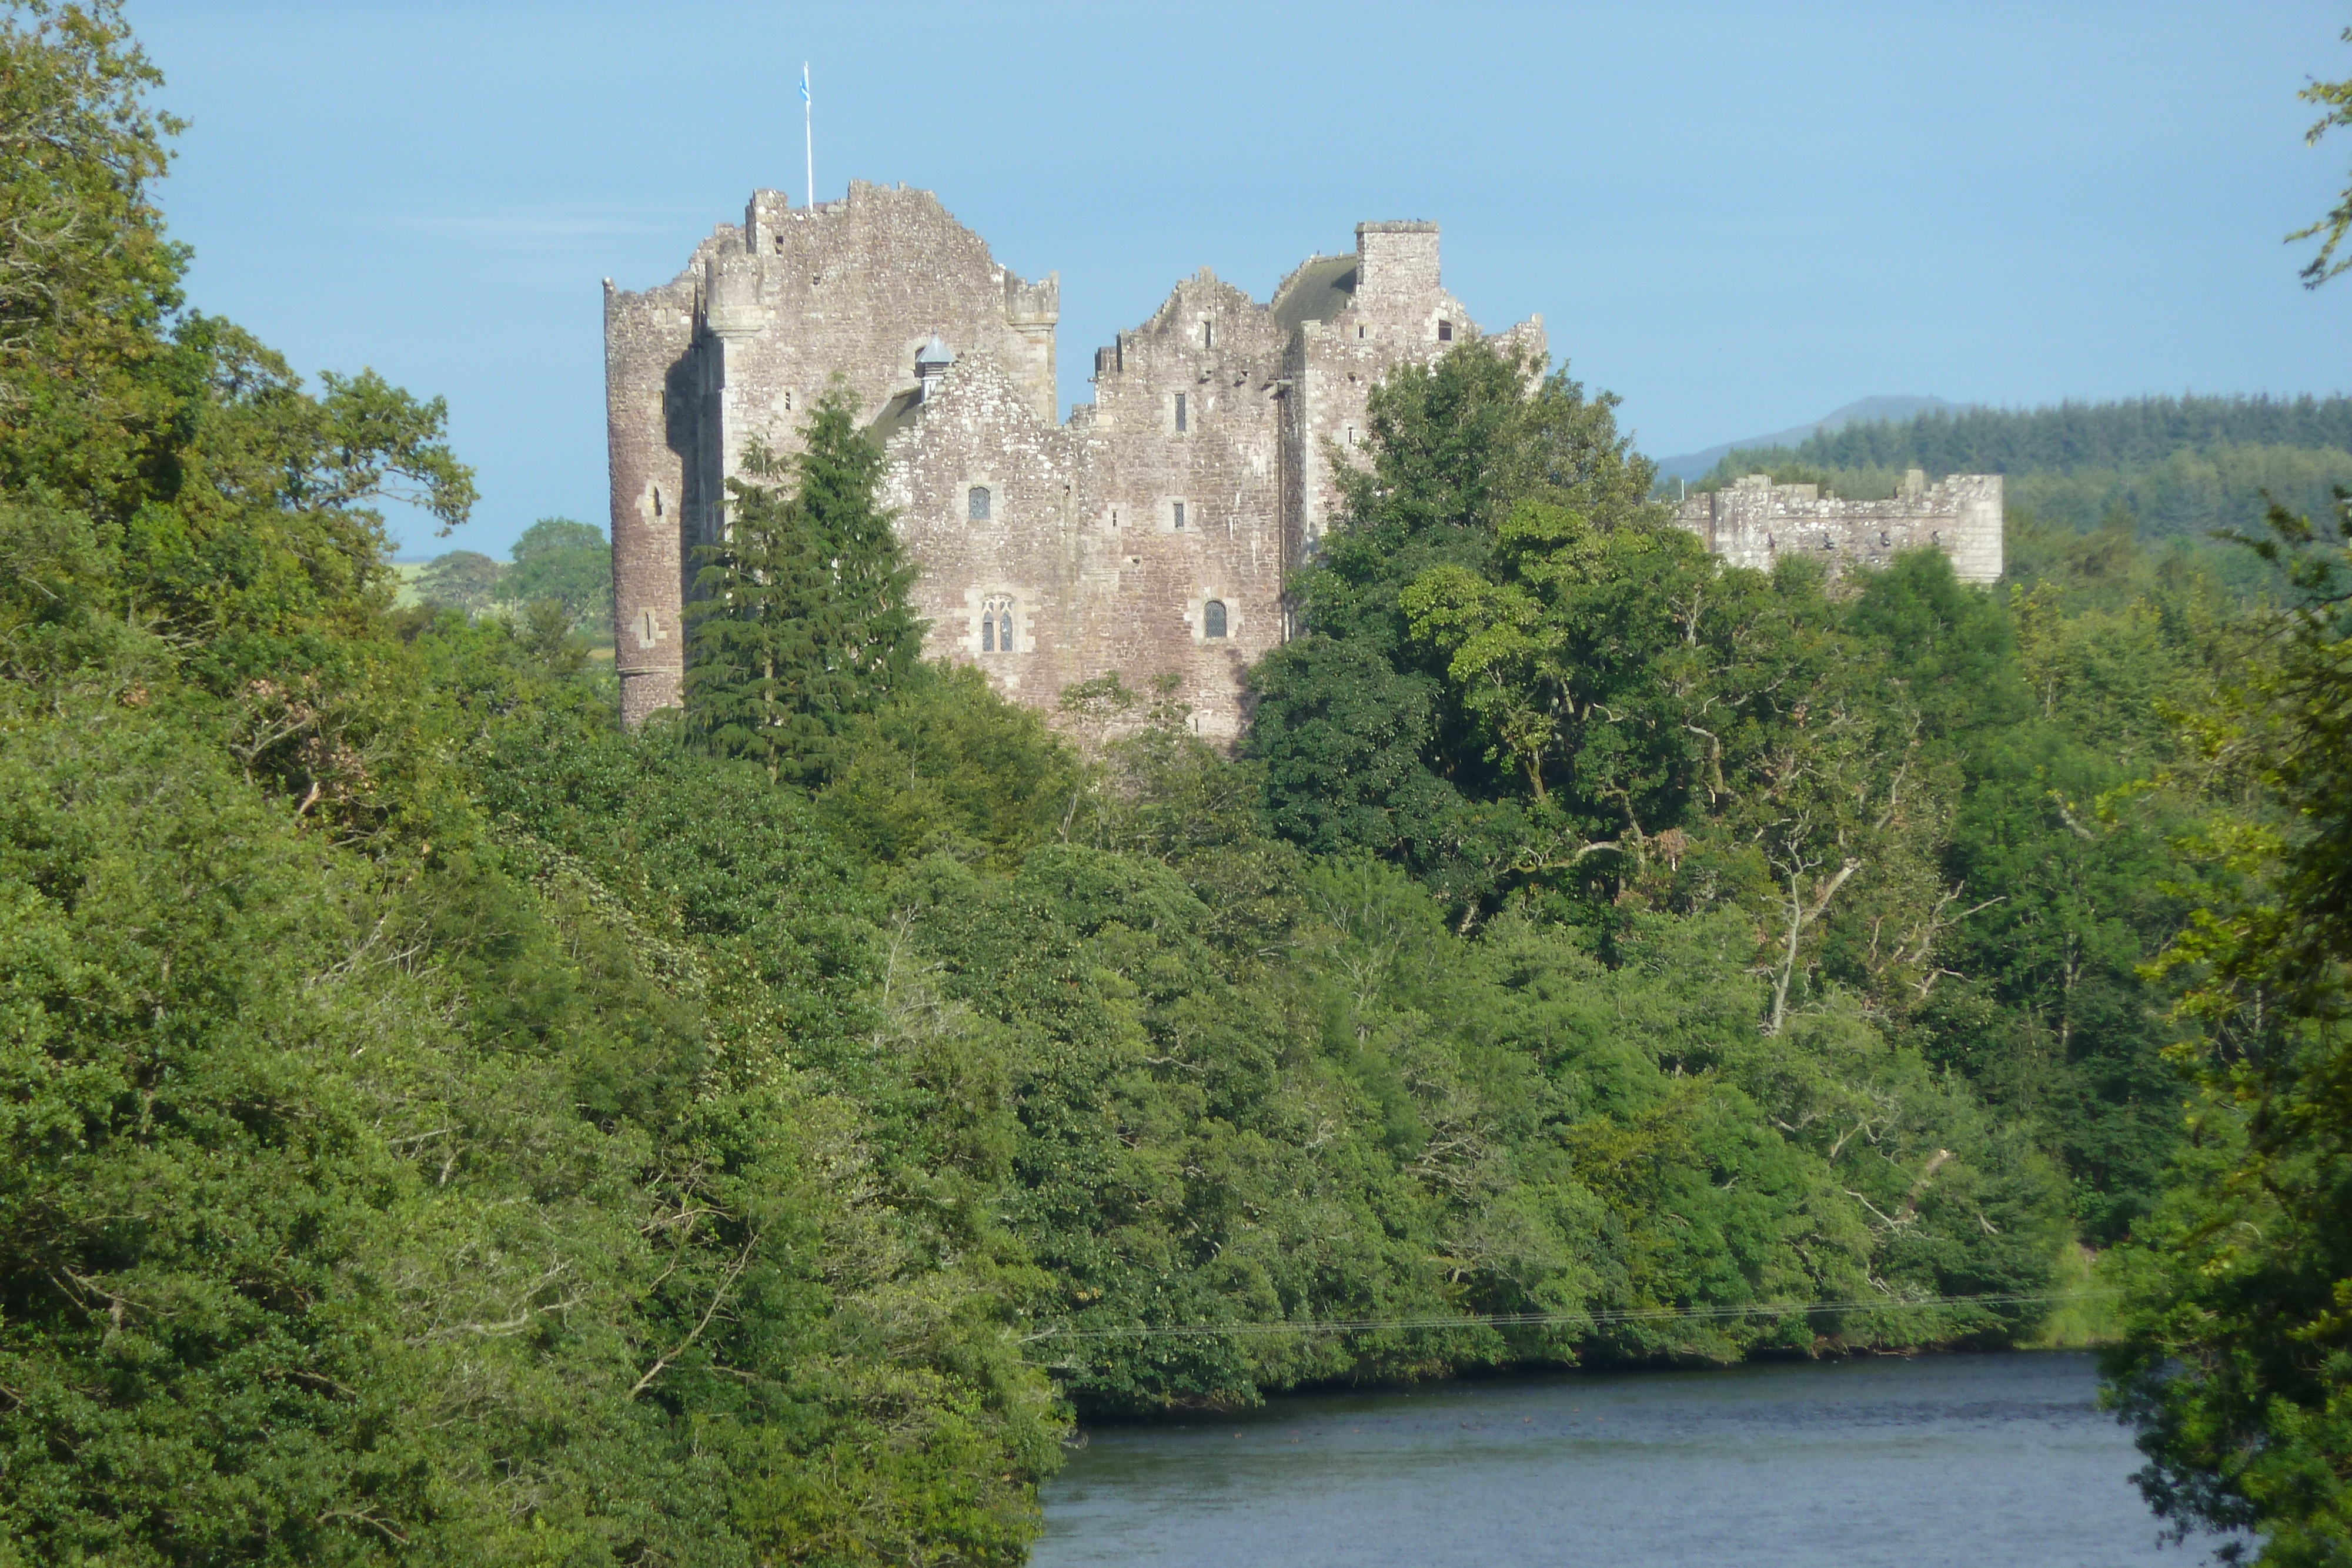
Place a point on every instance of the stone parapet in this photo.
(1754, 522)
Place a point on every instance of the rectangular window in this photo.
(1180, 413)
(1180, 514)
(1445, 331)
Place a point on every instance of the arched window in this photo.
(996, 626)
(1213, 619)
(1004, 631)
(988, 633)
(975, 502)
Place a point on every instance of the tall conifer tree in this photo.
(802, 618)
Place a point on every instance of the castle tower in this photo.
(647, 412)
(1152, 535)
(740, 346)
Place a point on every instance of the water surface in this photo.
(1974, 1461)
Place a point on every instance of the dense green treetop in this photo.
(438, 1126)
(801, 620)
(2235, 1362)
(2137, 433)
(569, 563)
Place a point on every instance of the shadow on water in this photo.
(1973, 1461)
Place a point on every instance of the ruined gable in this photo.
(1153, 534)
(1754, 522)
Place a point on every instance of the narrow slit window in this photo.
(975, 502)
(1359, 331)
(1180, 413)
(1445, 331)
(1212, 620)
(1179, 513)
(1208, 334)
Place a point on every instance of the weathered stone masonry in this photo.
(1152, 533)
(1754, 522)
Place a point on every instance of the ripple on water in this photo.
(1968, 1461)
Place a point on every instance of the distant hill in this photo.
(1695, 465)
(2175, 466)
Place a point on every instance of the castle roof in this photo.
(1318, 291)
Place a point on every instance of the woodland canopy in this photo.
(436, 1125)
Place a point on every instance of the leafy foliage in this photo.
(461, 579)
(570, 564)
(1927, 802)
(439, 1126)
(2239, 1354)
(2335, 99)
(803, 618)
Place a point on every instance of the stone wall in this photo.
(747, 338)
(1152, 535)
(1121, 540)
(1155, 532)
(1754, 522)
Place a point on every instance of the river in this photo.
(1971, 1461)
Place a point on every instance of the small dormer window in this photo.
(1212, 620)
(1445, 331)
(976, 504)
(1183, 414)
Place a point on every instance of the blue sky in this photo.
(1737, 217)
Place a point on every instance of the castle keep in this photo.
(1152, 533)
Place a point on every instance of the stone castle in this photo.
(1152, 533)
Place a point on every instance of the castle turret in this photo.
(645, 339)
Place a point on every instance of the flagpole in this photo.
(808, 134)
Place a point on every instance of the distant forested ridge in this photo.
(2176, 465)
